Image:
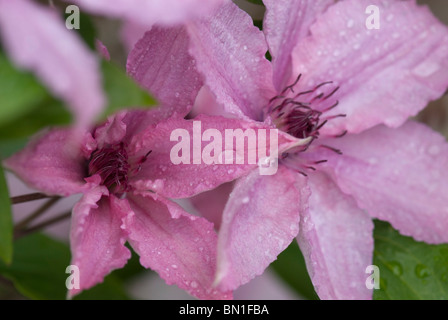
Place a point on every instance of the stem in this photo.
(43, 224)
(28, 197)
(47, 205)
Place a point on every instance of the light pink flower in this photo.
(36, 39)
(124, 171)
(356, 91)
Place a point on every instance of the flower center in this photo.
(111, 163)
(302, 115)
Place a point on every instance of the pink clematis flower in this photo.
(356, 90)
(36, 39)
(124, 171)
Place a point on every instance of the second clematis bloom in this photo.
(351, 90)
(124, 172)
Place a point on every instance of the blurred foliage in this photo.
(5, 221)
(122, 91)
(38, 272)
(259, 2)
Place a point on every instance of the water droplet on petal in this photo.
(194, 284)
(245, 200)
(434, 150)
(350, 23)
(426, 69)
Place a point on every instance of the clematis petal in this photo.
(179, 246)
(211, 204)
(146, 12)
(336, 238)
(230, 53)
(37, 40)
(160, 62)
(181, 173)
(112, 131)
(398, 175)
(286, 23)
(50, 164)
(385, 75)
(259, 221)
(97, 237)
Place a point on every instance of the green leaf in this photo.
(6, 227)
(291, 267)
(38, 271)
(122, 91)
(20, 92)
(259, 2)
(38, 268)
(409, 270)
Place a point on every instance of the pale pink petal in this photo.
(51, 162)
(97, 237)
(160, 62)
(385, 75)
(286, 23)
(37, 39)
(230, 53)
(148, 12)
(211, 204)
(336, 239)
(259, 221)
(398, 175)
(164, 172)
(180, 247)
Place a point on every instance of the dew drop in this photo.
(245, 47)
(422, 271)
(434, 150)
(426, 69)
(245, 200)
(350, 23)
(396, 267)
